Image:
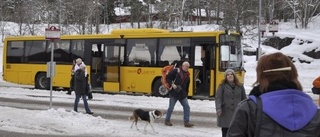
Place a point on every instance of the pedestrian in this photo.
(80, 89)
(316, 84)
(75, 67)
(72, 77)
(277, 106)
(179, 80)
(230, 92)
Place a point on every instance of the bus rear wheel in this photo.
(42, 82)
(155, 89)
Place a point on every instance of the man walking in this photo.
(179, 80)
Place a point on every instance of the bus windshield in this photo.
(231, 53)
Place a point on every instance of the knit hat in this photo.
(82, 66)
(228, 70)
(78, 60)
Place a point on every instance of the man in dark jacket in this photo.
(80, 88)
(179, 80)
(284, 110)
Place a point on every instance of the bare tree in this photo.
(238, 12)
(304, 10)
(136, 11)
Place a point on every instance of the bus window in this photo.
(199, 55)
(15, 52)
(35, 51)
(77, 49)
(231, 54)
(174, 49)
(141, 52)
(61, 52)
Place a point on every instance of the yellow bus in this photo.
(126, 60)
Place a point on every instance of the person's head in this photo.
(82, 67)
(275, 67)
(185, 66)
(78, 61)
(229, 75)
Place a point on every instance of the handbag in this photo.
(316, 90)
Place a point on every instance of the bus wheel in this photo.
(155, 89)
(42, 82)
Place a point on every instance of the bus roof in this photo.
(127, 33)
(139, 31)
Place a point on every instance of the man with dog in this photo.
(179, 80)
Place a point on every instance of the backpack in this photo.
(165, 86)
(165, 71)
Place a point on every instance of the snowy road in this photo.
(108, 107)
(205, 119)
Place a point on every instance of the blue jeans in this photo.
(76, 101)
(185, 105)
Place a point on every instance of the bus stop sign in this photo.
(52, 33)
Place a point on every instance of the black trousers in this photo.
(72, 83)
(224, 131)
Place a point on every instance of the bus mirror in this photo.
(227, 32)
(121, 36)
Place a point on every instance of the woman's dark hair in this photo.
(275, 61)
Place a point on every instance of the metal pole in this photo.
(259, 35)
(51, 71)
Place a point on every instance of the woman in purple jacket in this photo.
(284, 109)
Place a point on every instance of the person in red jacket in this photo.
(316, 84)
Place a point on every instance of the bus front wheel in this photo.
(42, 82)
(155, 89)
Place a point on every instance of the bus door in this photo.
(94, 52)
(204, 63)
(111, 67)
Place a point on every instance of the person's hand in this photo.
(219, 113)
(174, 86)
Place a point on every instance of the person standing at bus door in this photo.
(80, 89)
(277, 106)
(179, 80)
(230, 92)
(72, 78)
(316, 84)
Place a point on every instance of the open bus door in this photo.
(204, 64)
(111, 66)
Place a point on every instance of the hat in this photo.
(228, 70)
(78, 60)
(82, 66)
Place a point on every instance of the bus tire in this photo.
(155, 89)
(42, 82)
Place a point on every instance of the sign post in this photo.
(52, 34)
(274, 26)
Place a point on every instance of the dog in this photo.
(147, 116)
